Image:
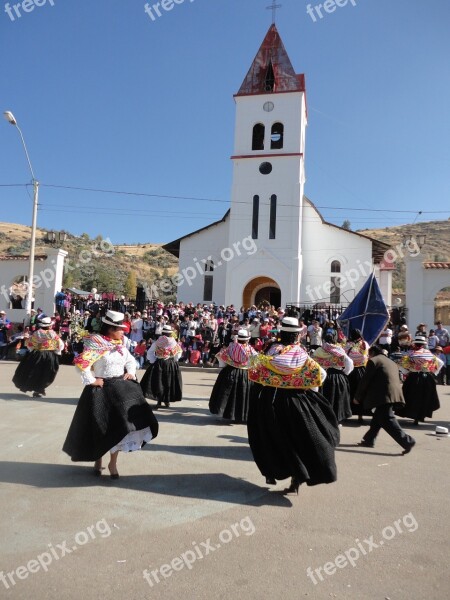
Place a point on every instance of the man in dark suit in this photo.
(380, 388)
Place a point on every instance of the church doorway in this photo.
(261, 289)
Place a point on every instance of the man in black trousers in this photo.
(380, 388)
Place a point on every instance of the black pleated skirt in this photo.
(336, 390)
(104, 416)
(421, 397)
(230, 395)
(293, 433)
(36, 371)
(162, 381)
(354, 379)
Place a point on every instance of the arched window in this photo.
(259, 132)
(277, 136)
(273, 217)
(255, 217)
(335, 266)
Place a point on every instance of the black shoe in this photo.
(167, 404)
(271, 481)
(408, 449)
(36, 395)
(295, 484)
(365, 444)
(158, 406)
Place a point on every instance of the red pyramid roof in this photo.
(273, 52)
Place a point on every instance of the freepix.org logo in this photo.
(15, 11)
(154, 10)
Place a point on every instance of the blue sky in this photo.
(109, 99)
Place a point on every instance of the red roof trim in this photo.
(436, 265)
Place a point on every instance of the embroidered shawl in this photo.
(166, 347)
(358, 352)
(237, 355)
(95, 347)
(330, 356)
(287, 367)
(420, 361)
(43, 340)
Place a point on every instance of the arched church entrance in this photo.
(261, 289)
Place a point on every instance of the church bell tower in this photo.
(268, 178)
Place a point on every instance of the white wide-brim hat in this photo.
(113, 318)
(420, 339)
(243, 335)
(441, 430)
(290, 324)
(45, 322)
(167, 329)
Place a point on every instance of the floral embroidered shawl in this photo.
(95, 347)
(358, 352)
(237, 355)
(420, 361)
(166, 347)
(330, 356)
(43, 340)
(287, 367)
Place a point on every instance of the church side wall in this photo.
(322, 244)
(194, 250)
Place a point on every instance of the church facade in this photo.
(273, 244)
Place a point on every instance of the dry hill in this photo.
(93, 263)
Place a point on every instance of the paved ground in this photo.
(195, 493)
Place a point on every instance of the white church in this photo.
(273, 244)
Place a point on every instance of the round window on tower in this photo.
(265, 168)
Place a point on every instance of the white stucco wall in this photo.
(422, 285)
(194, 249)
(48, 276)
(322, 244)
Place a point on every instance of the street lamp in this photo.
(29, 299)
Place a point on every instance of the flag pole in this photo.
(367, 303)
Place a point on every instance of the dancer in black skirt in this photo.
(112, 414)
(292, 429)
(38, 369)
(162, 380)
(419, 388)
(338, 365)
(358, 350)
(231, 392)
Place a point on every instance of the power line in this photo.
(165, 196)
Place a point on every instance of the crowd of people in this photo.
(294, 379)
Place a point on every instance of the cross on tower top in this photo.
(274, 7)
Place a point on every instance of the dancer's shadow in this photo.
(221, 452)
(217, 487)
(234, 438)
(21, 396)
(363, 450)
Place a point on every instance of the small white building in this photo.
(273, 243)
(48, 276)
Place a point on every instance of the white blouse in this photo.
(112, 364)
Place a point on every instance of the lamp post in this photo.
(29, 299)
